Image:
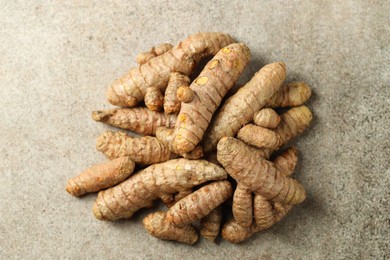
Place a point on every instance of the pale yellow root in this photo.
(162, 48)
(240, 108)
(200, 203)
(100, 176)
(149, 184)
(185, 94)
(154, 99)
(143, 150)
(215, 80)
(290, 95)
(144, 57)
(258, 174)
(157, 225)
(165, 135)
(139, 120)
(259, 136)
(171, 102)
(130, 89)
(266, 117)
(211, 224)
(154, 52)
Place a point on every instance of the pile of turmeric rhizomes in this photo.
(188, 148)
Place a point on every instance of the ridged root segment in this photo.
(216, 79)
(234, 233)
(165, 135)
(143, 150)
(171, 102)
(195, 154)
(266, 215)
(258, 174)
(139, 120)
(240, 108)
(265, 212)
(157, 225)
(243, 206)
(200, 203)
(287, 161)
(185, 94)
(171, 199)
(101, 176)
(290, 95)
(211, 224)
(130, 89)
(259, 136)
(293, 123)
(154, 99)
(154, 52)
(266, 117)
(142, 188)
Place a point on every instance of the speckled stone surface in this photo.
(58, 57)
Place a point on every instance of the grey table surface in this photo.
(58, 57)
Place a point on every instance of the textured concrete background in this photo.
(57, 57)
